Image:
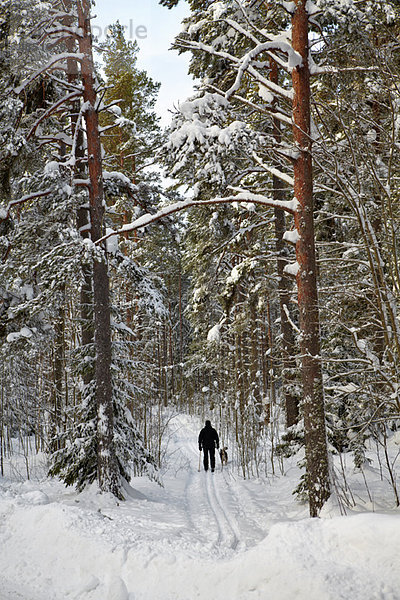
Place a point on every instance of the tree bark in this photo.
(58, 377)
(284, 286)
(318, 482)
(108, 472)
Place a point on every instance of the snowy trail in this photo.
(216, 521)
(229, 531)
(203, 536)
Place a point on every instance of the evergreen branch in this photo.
(4, 214)
(281, 116)
(52, 109)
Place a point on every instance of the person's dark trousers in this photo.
(208, 451)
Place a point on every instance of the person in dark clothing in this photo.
(208, 441)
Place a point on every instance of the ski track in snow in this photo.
(207, 516)
(230, 534)
(204, 536)
(215, 493)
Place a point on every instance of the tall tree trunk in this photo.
(313, 396)
(288, 345)
(254, 385)
(284, 286)
(58, 377)
(108, 472)
(82, 219)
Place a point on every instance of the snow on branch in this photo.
(292, 269)
(332, 70)
(289, 318)
(235, 25)
(292, 236)
(242, 196)
(52, 109)
(282, 176)
(279, 115)
(275, 89)
(77, 87)
(56, 59)
(75, 32)
(278, 43)
(72, 159)
(54, 19)
(57, 138)
(312, 9)
(5, 213)
(290, 7)
(122, 179)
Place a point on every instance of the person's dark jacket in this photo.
(208, 437)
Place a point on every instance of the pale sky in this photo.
(154, 28)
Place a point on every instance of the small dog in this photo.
(224, 455)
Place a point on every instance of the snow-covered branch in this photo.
(242, 66)
(242, 196)
(74, 32)
(279, 115)
(294, 60)
(282, 176)
(317, 70)
(289, 318)
(5, 213)
(76, 87)
(52, 109)
(51, 64)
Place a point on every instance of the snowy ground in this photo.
(203, 536)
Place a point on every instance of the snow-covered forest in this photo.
(261, 291)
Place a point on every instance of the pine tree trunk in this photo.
(255, 388)
(82, 218)
(58, 378)
(313, 397)
(288, 353)
(284, 285)
(108, 473)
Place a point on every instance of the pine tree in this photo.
(131, 147)
(98, 439)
